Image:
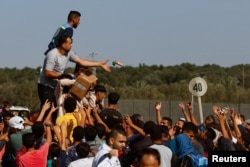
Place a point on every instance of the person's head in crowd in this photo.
(113, 98)
(38, 130)
(149, 157)
(165, 133)
(70, 104)
(100, 93)
(116, 138)
(177, 130)
(101, 131)
(83, 70)
(147, 128)
(137, 119)
(210, 139)
(209, 119)
(28, 140)
(6, 106)
(74, 17)
(90, 132)
(78, 133)
(64, 43)
(82, 149)
(156, 134)
(6, 119)
(16, 124)
(167, 121)
(54, 153)
(180, 122)
(190, 129)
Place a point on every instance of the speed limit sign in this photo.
(198, 86)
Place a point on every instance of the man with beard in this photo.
(67, 28)
(108, 152)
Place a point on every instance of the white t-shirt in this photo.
(87, 162)
(166, 154)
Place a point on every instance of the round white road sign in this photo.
(198, 86)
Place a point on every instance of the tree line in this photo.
(155, 82)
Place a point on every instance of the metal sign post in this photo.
(198, 87)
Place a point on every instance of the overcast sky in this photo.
(153, 32)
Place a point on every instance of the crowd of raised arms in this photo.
(96, 134)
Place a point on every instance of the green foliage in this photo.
(225, 85)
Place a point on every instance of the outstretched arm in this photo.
(103, 64)
(158, 112)
(182, 107)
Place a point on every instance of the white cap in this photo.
(16, 122)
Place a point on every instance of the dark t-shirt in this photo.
(111, 117)
(64, 29)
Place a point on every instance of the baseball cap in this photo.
(182, 119)
(16, 122)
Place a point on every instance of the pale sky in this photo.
(153, 32)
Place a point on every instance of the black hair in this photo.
(148, 126)
(78, 133)
(149, 151)
(137, 121)
(113, 98)
(90, 133)
(28, 140)
(54, 153)
(170, 121)
(70, 104)
(73, 14)
(115, 132)
(190, 126)
(38, 129)
(101, 131)
(82, 149)
(63, 38)
(100, 88)
(156, 132)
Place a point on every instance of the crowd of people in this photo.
(98, 135)
(69, 132)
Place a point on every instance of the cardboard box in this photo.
(82, 85)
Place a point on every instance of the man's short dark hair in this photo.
(62, 39)
(90, 133)
(38, 129)
(113, 98)
(73, 14)
(156, 132)
(82, 149)
(101, 131)
(170, 121)
(28, 140)
(150, 151)
(190, 126)
(78, 133)
(70, 104)
(100, 88)
(148, 126)
(115, 132)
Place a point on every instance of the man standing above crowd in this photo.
(55, 62)
(67, 28)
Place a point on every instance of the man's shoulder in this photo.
(111, 112)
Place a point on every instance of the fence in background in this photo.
(171, 109)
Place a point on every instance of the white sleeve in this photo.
(110, 162)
